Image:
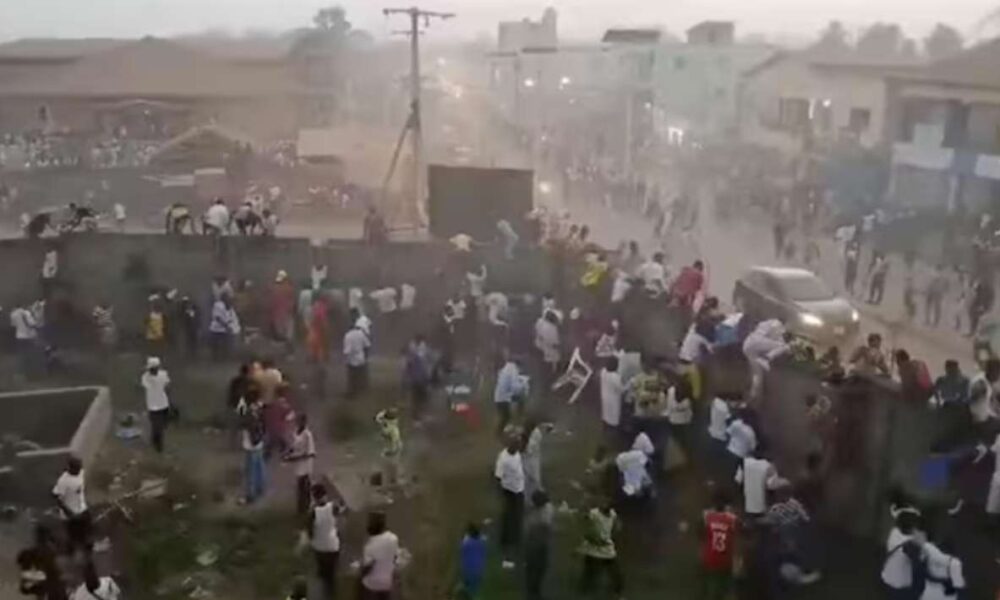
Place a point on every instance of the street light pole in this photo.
(416, 129)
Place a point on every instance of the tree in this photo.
(833, 38)
(942, 41)
(881, 40)
(332, 19)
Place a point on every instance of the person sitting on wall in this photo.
(36, 227)
(247, 221)
(375, 230)
(177, 218)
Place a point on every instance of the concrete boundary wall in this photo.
(34, 472)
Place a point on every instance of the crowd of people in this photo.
(584, 340)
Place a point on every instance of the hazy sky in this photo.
(580, 19)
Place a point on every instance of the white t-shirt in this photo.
(355, 347)
(106, 590)
(457, 308)
(385, 298)
(50, 265)
(742, 439)
(496, 308)
(355, 298)
(654, 276)
(620, 288)
(69, 490)
(694, 347)
(942, 567)
(119, 211)
(897, 572)
(380, 553)
(612, 390)
(407, 296)
(217, 216)
(303, 444)
(23, 323)
(477, 283)
(325, 537)
(364, 324)
(547, 340)
(156, 390)
(632, 465)
(718, 415)
(317, 276)
(679, 412)
(754, 474)
(509, 471)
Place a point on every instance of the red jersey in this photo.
(717, 547)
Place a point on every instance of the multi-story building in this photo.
(801, 101)
(944, 125)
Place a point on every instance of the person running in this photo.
(378, 560)
(356, 347)
(537, 544)
(472, 562)
(878, 275)
(71, 498)
(719, 528)
(302, 455)
(95, 587)
(324, 539)
(392, 445)
(156, 382)
(509, 472)
(598, 550)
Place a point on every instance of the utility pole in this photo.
(416, 129)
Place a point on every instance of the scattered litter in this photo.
(576, 485)
(128, 427)
(152, 488)
(179, 506)
(200, 593)
(8, 512)
(103, 545)
(487, 521)
(683, 526)
(403, 558)
(564, 509)
(208, 557)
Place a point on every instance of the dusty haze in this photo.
(578, 18)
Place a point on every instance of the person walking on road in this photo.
(850, 267)
(937, 288)
(879, 272)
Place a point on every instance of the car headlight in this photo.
(855, 316)
(811, 320)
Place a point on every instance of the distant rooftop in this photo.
(977, 67)
(632, 36)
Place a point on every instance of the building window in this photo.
(859, 120)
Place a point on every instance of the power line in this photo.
(413, 122)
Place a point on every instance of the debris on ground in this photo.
(128, 427)
(207, 556)
(152, 488)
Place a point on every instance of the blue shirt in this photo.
(509, 384)
(473, 558)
